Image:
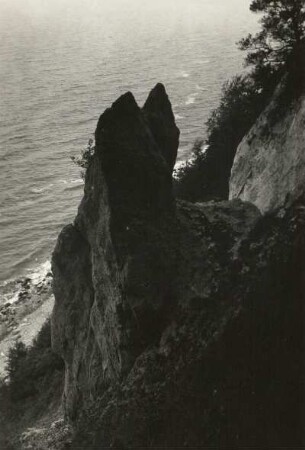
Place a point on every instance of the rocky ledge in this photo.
(180, 324)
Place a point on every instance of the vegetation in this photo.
(35, 384)
(84, 159)
(206, 175)
(278, 48)
(281, 35)
(31, 369)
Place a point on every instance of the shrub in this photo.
(31, 369)
(34, 387)
(206, 175)
(277, 49)
(16, 358)
(280, 37)
(84, 159)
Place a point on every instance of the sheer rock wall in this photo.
(269, 165)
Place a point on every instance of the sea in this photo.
(62, 62)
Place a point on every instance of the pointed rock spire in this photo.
(159, 113)
(137, 149)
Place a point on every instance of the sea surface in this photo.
(62, 62)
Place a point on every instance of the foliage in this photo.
(34, 387)
(281, 35)
(276, 49)
(206, 175)
(16, 357)
(84, 159)
(31, 369)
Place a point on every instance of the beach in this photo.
(22, 317)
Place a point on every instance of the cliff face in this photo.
(270, 161)
(180, 324)
(112, 271)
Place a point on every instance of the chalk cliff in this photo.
(269, 165)
(180, 324)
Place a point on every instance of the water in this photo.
(62, 63)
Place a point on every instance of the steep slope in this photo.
(180, 324)
(228, 371)
(270, 161)
(112, 268)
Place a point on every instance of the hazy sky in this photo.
(43, 8)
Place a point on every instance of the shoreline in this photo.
(22, 318)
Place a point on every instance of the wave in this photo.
(201, 88)
(16, 137)
(10, 289)
(73, 185)
(70, 184)
(204, 61)
(185, 155)
(40, 190)
(40, 272)
(191, 99)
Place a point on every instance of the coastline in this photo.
(23, 316)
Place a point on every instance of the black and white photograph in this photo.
(152, 224)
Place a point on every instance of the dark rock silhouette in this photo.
(120, 249)
(159, 113)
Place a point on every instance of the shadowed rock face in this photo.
(228, 370)
(130, 258)
(112, 269)
(172, 317)
(160, 116)
(133, 155)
